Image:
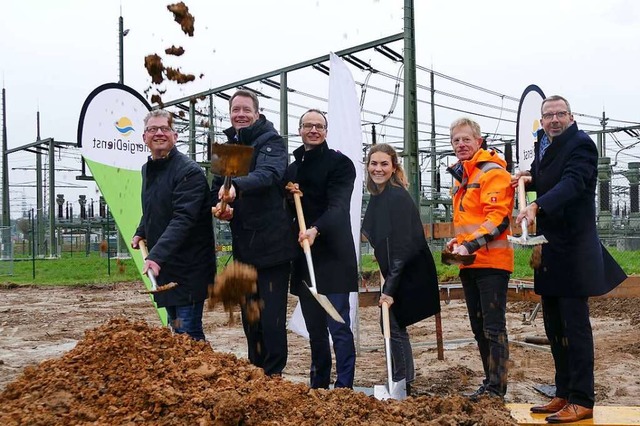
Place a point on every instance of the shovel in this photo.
(525, 239)
(392, 390)
(155, 288)
(230, 160)
(321, 298)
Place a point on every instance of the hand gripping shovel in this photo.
(525, 239)
(155, 288)
(230, 160)
(321, 298)
(392, 390)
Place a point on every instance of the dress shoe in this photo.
(555, 405)
(570, 413)
(482, 391)
(475, 394)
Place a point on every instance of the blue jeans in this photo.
(186, 319)
(485, 291)
(319, 325)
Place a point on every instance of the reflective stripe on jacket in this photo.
(482, 208)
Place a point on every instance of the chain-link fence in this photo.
(6, 251)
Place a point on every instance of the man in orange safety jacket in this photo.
(482, 208)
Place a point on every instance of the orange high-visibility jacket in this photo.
(482, 206)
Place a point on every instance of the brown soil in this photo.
(175, 51)
(183, 17)
(154, 66)
(125, 371)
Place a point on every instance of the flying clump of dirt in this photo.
(175, 51)
(153, 62)
(174, 74)
(155, 68)
(126, 372)
(234, 286)
(183, 17)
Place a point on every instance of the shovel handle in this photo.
(386, 327)
(522, 197)
(227, 187)
(301, 223)
(298, 203)
(143, 249)
(145, 253)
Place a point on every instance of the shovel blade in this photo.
(527, 241)
(231, 159)
(328, 306)
(398, 391)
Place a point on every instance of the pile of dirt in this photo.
(127, 372)
(622, 309)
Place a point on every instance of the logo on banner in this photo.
(110, 132)
(124, 126)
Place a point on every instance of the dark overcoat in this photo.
(177, 224)
(393, 227)
(262, 220)
(326, 180)
(574, 262)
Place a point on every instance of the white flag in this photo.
(344, 135)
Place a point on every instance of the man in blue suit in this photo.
(574, 264)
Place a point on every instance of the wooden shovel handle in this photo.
(301, 223)
(226, 186)
(299, 213)
(386, 327)
(522, 196)
(143, 249)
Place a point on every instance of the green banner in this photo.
(110, 137)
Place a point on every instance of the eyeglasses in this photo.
(559, 114)
(154, 129)
(309, 126)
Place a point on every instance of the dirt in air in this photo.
(183, 17)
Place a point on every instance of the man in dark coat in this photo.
(260, 228)
(574, 264)
(177, 225)
(326, 179)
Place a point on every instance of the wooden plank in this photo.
(602, 415)
(629, 288)
(516, 293)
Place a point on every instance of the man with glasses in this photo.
(326, 179)
(482, 209)
(177, 226)
(574, 265)
(260, 228)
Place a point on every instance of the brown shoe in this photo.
(570, 413)
(555, 405)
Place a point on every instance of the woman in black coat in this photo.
(393, 227)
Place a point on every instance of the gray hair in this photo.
(555, 98)
(159, 113)
(464, 121)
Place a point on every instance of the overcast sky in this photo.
(54, 53)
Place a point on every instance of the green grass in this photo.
(628, 260)
(72, 270)
(80, 269)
